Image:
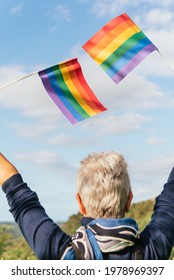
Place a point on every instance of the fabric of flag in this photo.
(119, 47)
(69, 90)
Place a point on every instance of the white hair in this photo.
(104, 185)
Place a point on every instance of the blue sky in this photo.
(35, 135)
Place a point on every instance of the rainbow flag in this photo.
(119, 47)
(67, 87)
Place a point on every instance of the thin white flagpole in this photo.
(18, 80)
(172, 66)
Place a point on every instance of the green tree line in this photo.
(14, 247)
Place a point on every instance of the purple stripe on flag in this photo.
(55, 98)
(133, 63)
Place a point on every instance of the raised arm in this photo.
(45, 237)
(159, 234)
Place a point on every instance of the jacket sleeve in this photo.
(159, 234)
(44, 237)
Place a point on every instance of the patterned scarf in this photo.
(105, 236)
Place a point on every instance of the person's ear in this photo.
(81, 205)
(129, 200)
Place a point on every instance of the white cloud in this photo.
(159, 17)
(153, 168)
(101, 8)
(32, 130)
(116, 124)
(150, 175)
(43, 158)
(16, 10)
(165, 3)
(47, 160)
(104, 7)
(53, 28)
(27, 96)
(70, 140)
(141, 192)
(62, 139)
(156, 19)
(153, 140)
(61, 12)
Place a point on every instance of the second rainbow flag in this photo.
(119, 47)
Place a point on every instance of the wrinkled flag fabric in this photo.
(119, 47)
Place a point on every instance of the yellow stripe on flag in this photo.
(74, 91)
(115, 44)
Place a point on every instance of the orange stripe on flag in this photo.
(110, 37)
(106, 29)
(73, 69)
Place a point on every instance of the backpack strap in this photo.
(139, 251)
(78, 254)
(93, 241)
(68, 253)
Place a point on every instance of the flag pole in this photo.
(18, 80)
(172, 66)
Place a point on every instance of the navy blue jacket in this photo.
(48, 241)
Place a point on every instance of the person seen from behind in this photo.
(104, 195)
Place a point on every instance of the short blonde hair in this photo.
(104, 185)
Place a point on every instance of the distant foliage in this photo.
(14, 247)
(141, 212)
(72, 224)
